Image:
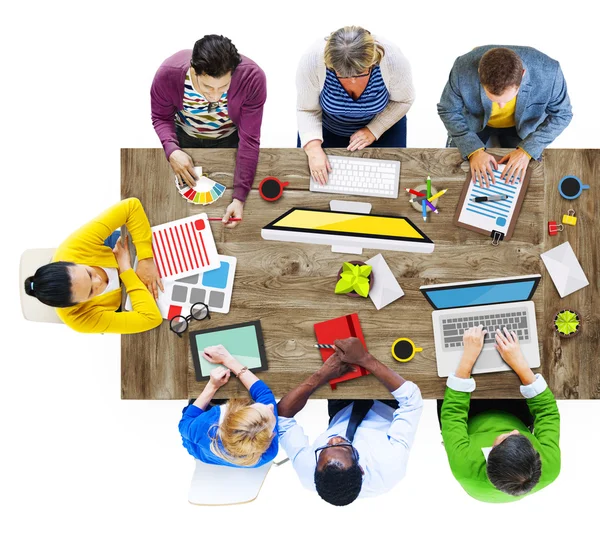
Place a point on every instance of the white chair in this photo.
(32, 309)
(216, 485)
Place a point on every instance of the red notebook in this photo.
(340, 328)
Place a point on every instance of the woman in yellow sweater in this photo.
(82, 281)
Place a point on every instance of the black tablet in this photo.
(243, 341)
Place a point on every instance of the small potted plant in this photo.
(567, 323)
(354, 279)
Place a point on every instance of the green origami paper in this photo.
(354, 278)
(566, 322)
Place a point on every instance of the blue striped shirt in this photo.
(343, 115)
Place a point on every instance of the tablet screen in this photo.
(243, 341)
(348, 224)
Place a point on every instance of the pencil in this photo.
(428, 186)
(438, 194)
(424, 210)
(324, 346)
(221, 220)
(414, 192)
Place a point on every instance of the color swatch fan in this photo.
(206, 190)
(184, 246)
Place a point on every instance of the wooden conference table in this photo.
(289, 286)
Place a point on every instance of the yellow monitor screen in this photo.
(348, 224)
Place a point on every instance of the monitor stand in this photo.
(349, 207)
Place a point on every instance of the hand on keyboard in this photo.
(473, 343)
(507, 344)
(360, 139)
(318, 164)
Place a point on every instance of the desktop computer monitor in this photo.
(380, 232)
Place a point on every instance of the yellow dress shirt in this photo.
(86, 247)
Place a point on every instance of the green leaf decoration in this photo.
(354, 278)
(362, 286)
(365, 270)
(347, 267)
(566, 322)
(344, 285)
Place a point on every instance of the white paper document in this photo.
(491, 215)
(564, 269)
(385, 287)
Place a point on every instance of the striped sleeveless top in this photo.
(341, 114)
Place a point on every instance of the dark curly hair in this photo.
(338, 486)
(215, 56)
(499, 69)
(514, 466)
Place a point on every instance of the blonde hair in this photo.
(352, 50)
(245, 434)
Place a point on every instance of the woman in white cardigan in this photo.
(353, 91)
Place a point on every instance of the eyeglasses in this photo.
(353, 76)
(212, 106)
(178, 324)
(339, 445)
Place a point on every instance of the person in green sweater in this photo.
(496, 451)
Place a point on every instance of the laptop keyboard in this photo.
(454, 328)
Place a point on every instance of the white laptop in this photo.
(494, 303)
(352, 176)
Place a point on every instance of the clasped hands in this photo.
(347, 352)
(146, 268)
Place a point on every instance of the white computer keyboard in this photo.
(361, 177)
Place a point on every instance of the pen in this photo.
(481, 199)
(424, 207)
(324, 346)
(221, 220)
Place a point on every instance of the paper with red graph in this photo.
(340, 328)
(184, 246)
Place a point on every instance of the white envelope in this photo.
(564, 269)
(385, 286)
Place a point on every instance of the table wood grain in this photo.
(289, 286)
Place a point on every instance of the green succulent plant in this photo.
(354, 278)
(566, 322)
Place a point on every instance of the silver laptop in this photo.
(352, 176)
(494, 303)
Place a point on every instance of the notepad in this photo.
(340, 328)
(492, 216)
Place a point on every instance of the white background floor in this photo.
(77, 463)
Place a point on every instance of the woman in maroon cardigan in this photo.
(210, 97)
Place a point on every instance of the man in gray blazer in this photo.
(516, 93)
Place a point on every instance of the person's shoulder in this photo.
(176, 62)
(314, 52)
(247, 68)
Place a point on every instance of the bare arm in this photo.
(294, 401)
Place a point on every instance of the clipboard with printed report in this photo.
(496, 219)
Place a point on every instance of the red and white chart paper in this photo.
(184, 246)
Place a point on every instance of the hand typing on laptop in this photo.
(507, 344)
(473, 342)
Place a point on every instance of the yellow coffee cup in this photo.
(404, 349)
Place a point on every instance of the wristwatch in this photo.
(241, 371)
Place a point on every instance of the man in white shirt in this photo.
(365, 449)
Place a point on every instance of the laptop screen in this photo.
(490, 293)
